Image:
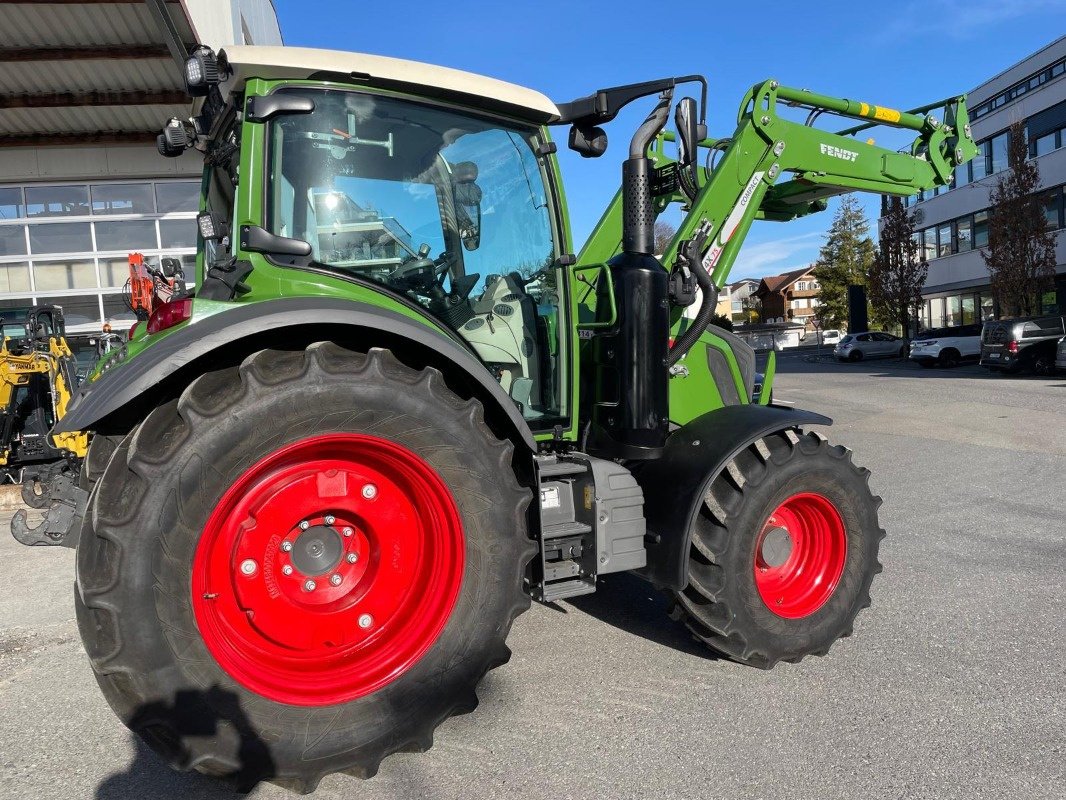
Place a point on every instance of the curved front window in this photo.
(447, 209)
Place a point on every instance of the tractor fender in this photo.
(675, 484)
(127, 384)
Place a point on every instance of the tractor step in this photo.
(591, 523)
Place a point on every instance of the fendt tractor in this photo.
(397, 405)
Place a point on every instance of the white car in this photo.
(947, 347)
(828, 337)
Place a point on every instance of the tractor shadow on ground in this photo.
(633, 605)
(193, 714)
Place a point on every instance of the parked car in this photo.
(947, 347)
(869, 344)
(831, 336)
(1060, 354)
(1029, 343)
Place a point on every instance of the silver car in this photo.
(869, 344)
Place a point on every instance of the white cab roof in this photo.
(275, 63)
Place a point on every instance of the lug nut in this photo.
(248, 566)
(287, 569)
(347, 531)
(304, 525)
(309, 586)
(370, 491)
(365, 620)
(330, 519)
(353, 557)
(286, 546)
(335, 580)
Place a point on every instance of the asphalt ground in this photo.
(953, 686)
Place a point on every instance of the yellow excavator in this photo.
(37, 379)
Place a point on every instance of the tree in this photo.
(845, 259)
(898, 272)
(1021, 247)
(664, 232)
(752, 308)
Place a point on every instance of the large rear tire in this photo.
(783, 552)
(302, 566)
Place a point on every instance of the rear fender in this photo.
(164, 369)
(674, 485)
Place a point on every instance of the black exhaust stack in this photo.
(630, 413)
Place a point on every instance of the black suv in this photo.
(1026, 343)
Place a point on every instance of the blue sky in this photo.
(899, 54)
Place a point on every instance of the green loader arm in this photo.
(743, 185)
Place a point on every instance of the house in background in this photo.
(792, 297)
(734, 303)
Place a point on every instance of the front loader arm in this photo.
(743, 185)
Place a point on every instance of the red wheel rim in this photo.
(328, 569)
(799, 555)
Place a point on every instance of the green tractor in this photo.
(398, 405)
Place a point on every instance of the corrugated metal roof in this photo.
(87, 119)
(45, 25)
(85, 26)
(93, 75)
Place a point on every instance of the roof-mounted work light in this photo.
(201, 71)
(175, 138)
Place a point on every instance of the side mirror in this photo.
(687, 131)
(589, 142)
(467, 195)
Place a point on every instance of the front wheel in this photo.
(302, 566)
(783, 553)
(855, 355)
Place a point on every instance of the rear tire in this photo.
(744, 604)
(949, 358)
(219, 690)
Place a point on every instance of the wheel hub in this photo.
(311, 590)
(317, 550)
(776, 546)
(800, 555)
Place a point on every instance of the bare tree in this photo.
(664, 232)
(1021, 247)
(898, 273)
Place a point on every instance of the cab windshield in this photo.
(447, 209)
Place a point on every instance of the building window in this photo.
(801, 286)
(177, 233)
(936, 312)
(969, 309)
(61, 237)
(123, 198)
(997, 153)
(11, 203)
(178, 196)
(1052, 202)
(929, 244)
(12, 240)
(128, 235)
(987, 306)
(964, 234)
(962, 174)
(953, 314)
(944, 240)
(53, 276)
(57, 201)
(980, 229)
(1043, 145)
(15, 277)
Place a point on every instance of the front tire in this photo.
(233, 646)
(855, 355)
(783, 552)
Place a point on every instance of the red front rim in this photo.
(328, 569)
(799, 555)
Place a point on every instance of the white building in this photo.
(84, 89)
(953, 222)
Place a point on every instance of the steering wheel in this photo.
(421, 274)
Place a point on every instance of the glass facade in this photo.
(67, 244)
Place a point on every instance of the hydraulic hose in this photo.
(689, 256)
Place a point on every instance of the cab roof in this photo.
(426, 80)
